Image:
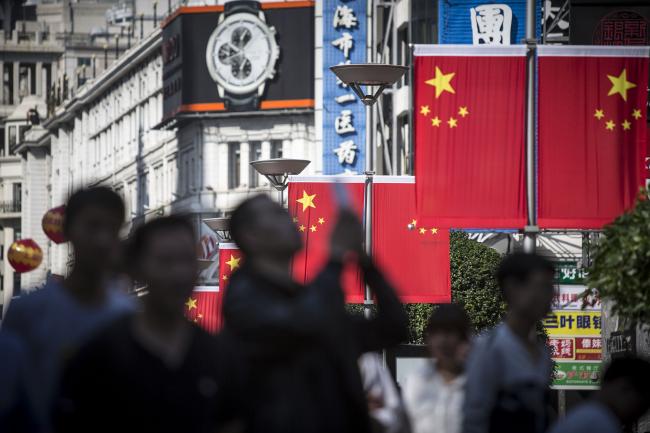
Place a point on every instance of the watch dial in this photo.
(241, 53)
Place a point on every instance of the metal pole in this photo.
(367, 299)
(530, 234)
(370, 132)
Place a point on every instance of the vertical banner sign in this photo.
(344, 117)
(469, 120)
(203, 307)
(574, 327)
(592, 133)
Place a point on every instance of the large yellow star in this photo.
(436, 121)
(191, 303)
(233, 262)
(636, 114)
(307, 201)
(424, 110)
(599, 114)
(620, 85)
(452, 122)
(442, 82)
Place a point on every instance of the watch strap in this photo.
(245, 6)
(246, 102)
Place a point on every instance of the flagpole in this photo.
(531, 230)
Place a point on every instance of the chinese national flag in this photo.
(312, 205)
(204, 308)
(470, 136)
(205, 305)
(592, 133)
(414, 257)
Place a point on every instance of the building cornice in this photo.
(96, 88)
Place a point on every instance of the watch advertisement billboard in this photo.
(610, 22)
(243, 56)
(344, 116)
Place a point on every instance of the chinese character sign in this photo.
(344, 42)
(491, 24)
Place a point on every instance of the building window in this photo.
(2, 142)
(12, 137)
(234, 165)
(255, 154)
(83, 69)
(16, 284)
(144, 190)
(17, 189)
(276, 149)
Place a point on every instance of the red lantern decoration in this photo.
(53, 224)
(25, 255)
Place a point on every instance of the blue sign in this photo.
(344, 116)
(484, 22)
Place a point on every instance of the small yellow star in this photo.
(636, 114)
(599, 114)
(620, 85)
(436, 121)
(302, 228)
(462, 111)
(191, 303)
(312, 228)
(225, 277)
(414, 223)
(295, 219)
(200, 316)
(626, 125)
(434, 231)
(423, 231)
(307, 200)
(610, 125)
(425, 110)
(442, 82)
(233, 262)
(452, 122)
(321, 221)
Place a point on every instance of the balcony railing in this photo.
(12, 206)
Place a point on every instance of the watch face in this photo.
(242, 53)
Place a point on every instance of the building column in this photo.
(16, 100)
(244, 153)
(39, 78)
(2, 82)
(8, 276)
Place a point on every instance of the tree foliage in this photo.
(621, 265)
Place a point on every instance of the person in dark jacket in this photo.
(301, 344)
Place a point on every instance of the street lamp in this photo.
(369, 75)
(278, 170)
(221, 226)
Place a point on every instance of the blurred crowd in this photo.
(83, 355)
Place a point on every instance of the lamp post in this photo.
(370, 75)
(278, 170)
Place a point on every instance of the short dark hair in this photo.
(245, 216)
(98, 196)
(636, 370)
(142, 235)
(520, 266)
(449, 318)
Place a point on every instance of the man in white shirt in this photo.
(434, 394)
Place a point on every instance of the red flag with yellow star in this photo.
(592, 133)
(203, 308)
(312, 205)
(470, 135)
(415, 257)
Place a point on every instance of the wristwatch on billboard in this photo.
(241, 55)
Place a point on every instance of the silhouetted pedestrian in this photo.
(302, 344)
(153, 370)
(509, 369)
(55, 321)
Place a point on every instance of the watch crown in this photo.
(272, 30)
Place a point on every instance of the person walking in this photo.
(510, 369)
(55, 321)
(154, 370)
(301, 343)
(434, 394)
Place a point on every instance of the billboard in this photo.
(344, 118)
(239, 57)
(487, 22)
(610, 22)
